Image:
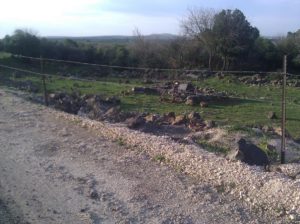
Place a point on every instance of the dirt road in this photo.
(54, 171)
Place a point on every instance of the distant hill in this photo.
(115, 38)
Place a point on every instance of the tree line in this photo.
(212, 40)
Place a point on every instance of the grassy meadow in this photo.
(248, 105)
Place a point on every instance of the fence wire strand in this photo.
(151, 69)
(127, 68)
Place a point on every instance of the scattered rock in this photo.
(168, 118)
(196, 125)
(292, 169)
(179, 120)
(91, 106)
(112, 112)
(186, 87)
(235, 155)
(135, 122)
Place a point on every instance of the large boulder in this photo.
(249, 153)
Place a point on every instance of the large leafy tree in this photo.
(291, 47)
(234, 35)
(22, 42)
(199, 25)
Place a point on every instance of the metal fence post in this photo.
(44, 83)
(283, 112)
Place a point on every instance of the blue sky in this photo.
(121, 17)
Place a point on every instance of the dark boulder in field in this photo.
(249, 153)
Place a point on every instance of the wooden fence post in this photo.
(283, 113)
(44, 83)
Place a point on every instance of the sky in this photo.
(121, 17)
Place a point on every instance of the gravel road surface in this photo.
(53, 170)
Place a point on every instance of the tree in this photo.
(234, 35)
(148, 52)
(22, 42)
(199, 25)
(140, 47)
(264, 55)
(290, 46)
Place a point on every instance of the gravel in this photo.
(271, 192)
(60, 168)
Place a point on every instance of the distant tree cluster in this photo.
(214, 40)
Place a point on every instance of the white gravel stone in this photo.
(268, 190)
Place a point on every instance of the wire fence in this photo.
(201, 74)
(242, 72)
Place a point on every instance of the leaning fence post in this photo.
(283, 113)
(44, 83)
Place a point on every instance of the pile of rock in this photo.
(191, 95)
(203, 99)
(99, 108)
(254, 80)
(92, 106)
(259, 80)
(193, 121)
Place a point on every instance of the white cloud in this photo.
(38, 10)
(41, 15)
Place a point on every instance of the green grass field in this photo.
(248, 106)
